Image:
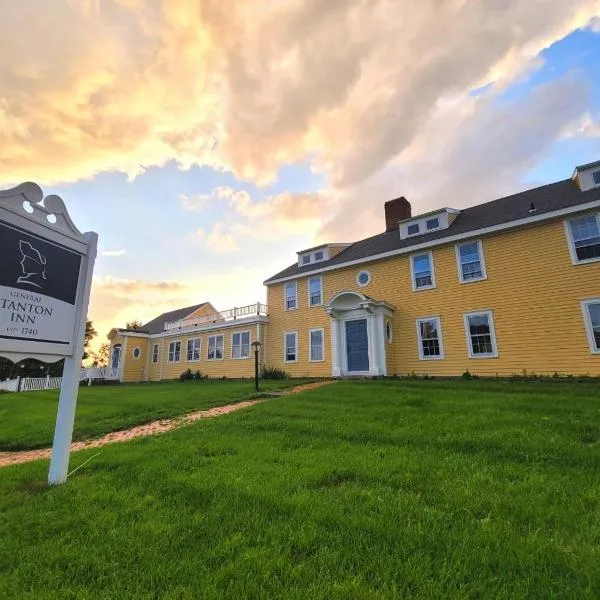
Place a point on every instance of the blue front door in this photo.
(357, 345)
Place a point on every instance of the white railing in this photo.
(239, 312)
(34, 384)
(10, 385)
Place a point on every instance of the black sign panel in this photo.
(32, 264)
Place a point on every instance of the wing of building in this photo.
(494, 289)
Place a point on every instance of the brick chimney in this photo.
(396, 210)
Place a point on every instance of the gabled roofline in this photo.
(548, 216)
(337, 245)
(447, 209)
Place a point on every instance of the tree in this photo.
(135, 324)
(100, 358)
(90, 334)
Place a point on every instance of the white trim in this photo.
(571, 241)
(490, 316)
(588, 323)
(368, 273)
(155, 362)
(481, 261)
(322, 330)
(187, 343)
(173, 362)
(446, 240)
(320, 277)
(131, 334)
(440, 340)
(249, 344)
(215, 335)
(285, 299)
(192, 330)
(412, 271)
(133, 353)
(285, 334)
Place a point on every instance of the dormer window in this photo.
(420, 225)
(319, 255)
(433, 223)
(596, 176)
(412, 229)
(306, 259)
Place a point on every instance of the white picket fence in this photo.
(31, 384)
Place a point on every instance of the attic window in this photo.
(306, 259)
(596, 176)
(412, 229)
(319, 255)
(433, 223)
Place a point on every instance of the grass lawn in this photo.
(27, 419)
(385, 489)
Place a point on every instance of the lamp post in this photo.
(256, 347)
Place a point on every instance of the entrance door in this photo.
(357, 345)
(116, 357)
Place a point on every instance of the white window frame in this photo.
(490, 316)
(588, 323)
(412, 271)
(139, 353)
(571, 241)
(155, 353)
(481, 261)
(310, 331)
(438, 321)
(216, 335)
(174, 342)
(187, 349)
(320, 278)
(285, 285)
(240, 333)
(285, 334)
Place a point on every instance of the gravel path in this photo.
(154, 428)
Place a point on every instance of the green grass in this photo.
(27, 419)
(407, 489)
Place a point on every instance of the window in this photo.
(315, 291)
(174, 352)
(306, 259)
(429, 334)
(137, 352)
(193, 349)
(319, 255)
(155, 350)
(290, 351)
(422, 271)
(388, 331)
(412, 229)
(215, 347)
(240, 344)
(290, 296)
(470, 261)
(363, 278)
(591, 315)
(596, 176)
(481, 338)
(584, 238)
(432, 223)
(316, 353)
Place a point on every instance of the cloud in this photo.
(135, 286)
(114, 253)
(586, 127)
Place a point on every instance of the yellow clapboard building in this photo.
(500, 288)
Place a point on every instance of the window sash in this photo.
(316, 345)
(470, 261)
(240, 345)
(290, 295)
(315, 290)
(193, 349)
(585, 235)
(596, 177)
(155, 351)
(412, 229)
(174, 351)
(290, 347)
(215, 347)
(423, 275)
(480, 335)
(429, 338)
(433, 223)
(592, 313)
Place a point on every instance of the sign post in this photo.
(45, 280)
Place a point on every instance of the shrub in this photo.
(191, 375)
(273, 373)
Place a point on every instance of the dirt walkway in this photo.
(13, 458)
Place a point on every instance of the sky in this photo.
(207, 141)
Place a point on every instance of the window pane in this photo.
(412, 229)
(470, 263)
(318, 255)
(316, 345)
(480, 334)
(586, 237)
(306, 259)
(596, 176)
(433, 223)
(422, 270)
(219, 347)
(315, 290)
(430, 343)
(290, 346)
(290, 295)
(594, 313)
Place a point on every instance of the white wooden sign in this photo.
(46, 269)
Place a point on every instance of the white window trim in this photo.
(588, 323)
(157, 347)
(412, 271)
(490, 315)
(285, 334)
(199, 350)
(571, 241)
(440, 338)
(249, 344)
(481, 261)
(169, 352)
(285, 306)
(389, 339)
(368, 273)
(216, 335)
(133, 353)
(322, 330)
(320, 277)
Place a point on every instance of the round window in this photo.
(388, 331)
(363, 278)
(137, 353)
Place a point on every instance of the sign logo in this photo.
(33, 265)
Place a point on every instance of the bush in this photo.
(273, 373)
(190, 375)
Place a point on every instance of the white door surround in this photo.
(349, 305)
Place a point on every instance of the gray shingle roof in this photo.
(157, 325)
(548, 198)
